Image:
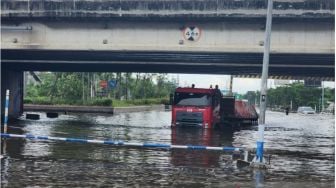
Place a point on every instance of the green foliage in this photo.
(32, 91)
(139, 102)
(38, 100)
(100, 102)
(75, 89)
(27, 101)
(296, 93)
(252, 97)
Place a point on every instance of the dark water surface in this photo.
(302, 149)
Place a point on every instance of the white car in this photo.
(306, 110)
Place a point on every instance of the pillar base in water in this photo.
(52, 115)
(33, 116)
(242, 163)
(259, 165)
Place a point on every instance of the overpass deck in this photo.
(165, 9)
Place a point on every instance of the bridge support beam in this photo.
(13, 81)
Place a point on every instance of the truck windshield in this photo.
(192, 99)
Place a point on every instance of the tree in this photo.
(296, 94)
(76, 87)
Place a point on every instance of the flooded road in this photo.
(302, 149)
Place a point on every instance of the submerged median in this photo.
(103, 105)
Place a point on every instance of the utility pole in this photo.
(126, 86)
(291, 104)
(91, 85)
(231, 83)
(94, 84)
(25, 83)
(258, 161)
(83, 98)
(264, 76)
(322, 98)
(178, 80)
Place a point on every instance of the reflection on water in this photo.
(205, 137)
(302, 149)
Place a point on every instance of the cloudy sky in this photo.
(240, 85)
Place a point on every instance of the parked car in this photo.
(306, 110)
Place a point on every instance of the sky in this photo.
(240, 85)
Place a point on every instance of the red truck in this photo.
(208, 108)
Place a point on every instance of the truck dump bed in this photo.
(244, 111)
(234, 111)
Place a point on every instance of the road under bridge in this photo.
(206, 37)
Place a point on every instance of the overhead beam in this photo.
(313, 65)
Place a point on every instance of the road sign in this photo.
(192, 33)
(238, 96)
(103, 83)
(112, 84)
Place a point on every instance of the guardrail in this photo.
(122, 143)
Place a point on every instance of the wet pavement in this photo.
(302, 149)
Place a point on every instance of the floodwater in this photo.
(302, 149)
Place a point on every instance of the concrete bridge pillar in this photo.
(12, 80)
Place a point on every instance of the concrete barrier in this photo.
(119, 110)
(89, 109)
(67, 108)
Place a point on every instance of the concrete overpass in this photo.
(187, 36)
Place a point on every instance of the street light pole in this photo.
(264, 75)
(231, 83)
(322, 98)
(258, 161)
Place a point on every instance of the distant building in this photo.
(312, 83)
(278, 83)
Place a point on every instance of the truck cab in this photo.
(196, 107)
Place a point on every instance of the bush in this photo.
(164, 101)
(27, 101)
(101, 102)
(118, 103)
(42, 100)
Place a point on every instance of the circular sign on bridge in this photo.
(192, 33)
